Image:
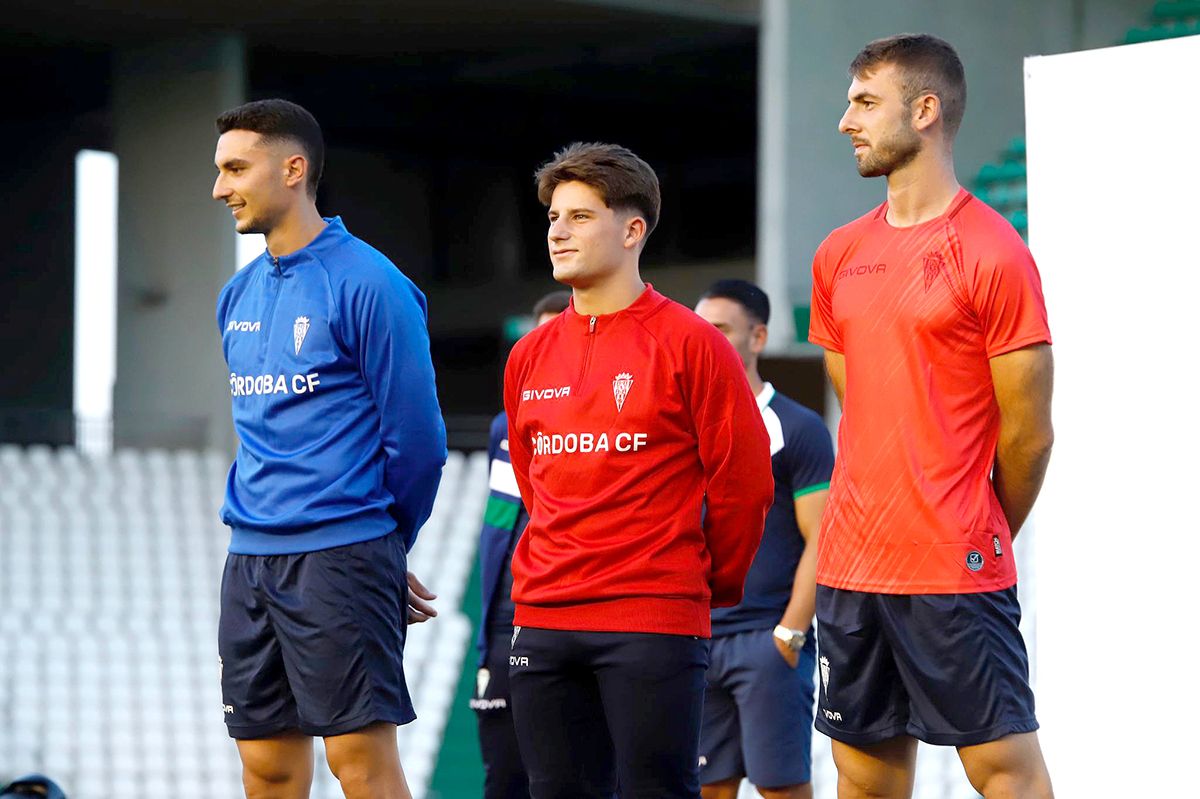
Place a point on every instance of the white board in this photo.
(1113, 142)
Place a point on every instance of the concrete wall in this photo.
(176, 245)
(808, 182)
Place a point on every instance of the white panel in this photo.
(1114, 202)
(95, 296)
(249, 247)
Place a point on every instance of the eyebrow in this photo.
(864, 96)
(571, 211)
(233, 162)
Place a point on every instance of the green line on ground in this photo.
(459, 770)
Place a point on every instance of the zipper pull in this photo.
(278, 269)
(592, 325)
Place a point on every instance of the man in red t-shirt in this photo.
(645, 464)
(930, 311)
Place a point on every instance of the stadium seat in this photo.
(109, 575)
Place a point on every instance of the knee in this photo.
(1016, 786)
(263, 777)
(803, 791)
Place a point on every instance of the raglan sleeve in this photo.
(390, 319)
(822, 329)
(1007, 296)
(735, 452)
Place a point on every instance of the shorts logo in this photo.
(482, 678)
(621, 385)
(996, 546)
(933, 268)
(703, 761)
(974, 560)
(516, 632)
(513, 660)
(825, 677)
(299, 331)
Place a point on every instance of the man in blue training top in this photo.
(342, 447)
(758, 706)
(503, 522)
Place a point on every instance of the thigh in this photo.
(340, 617)
(558, 717)
(883, 770)
(256, 697)
(653, 691)
(720, 728)
(860, 699)
(964, 665)
(775, 703)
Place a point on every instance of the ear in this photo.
(926, 112)
(635, 232)
(295, 171)
(758, 338)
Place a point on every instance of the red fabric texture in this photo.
(642, 457)
(918, 312)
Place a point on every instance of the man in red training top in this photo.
(930, 311)
(644, 463)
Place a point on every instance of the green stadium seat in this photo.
(1176, 10)
(1015, 150)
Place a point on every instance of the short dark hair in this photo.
(624, 181)
(745, 294)
(279, 120)
(555, 302)
(927, 64)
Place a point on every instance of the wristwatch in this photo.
(793, 638)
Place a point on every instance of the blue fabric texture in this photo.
(334, 401)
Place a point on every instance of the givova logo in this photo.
(243, 327)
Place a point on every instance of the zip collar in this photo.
(331, 235)
(644, 306)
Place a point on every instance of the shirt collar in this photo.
(765, 396)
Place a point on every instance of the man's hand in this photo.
(790, 655)
(419, 608)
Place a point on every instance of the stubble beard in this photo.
(893, 153)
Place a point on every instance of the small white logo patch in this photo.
(299, 331)
(516, 632)
(621, 385)
(482, 678)
(825, 676)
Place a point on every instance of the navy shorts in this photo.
(314, 642)
(758, 713)
(948, 669)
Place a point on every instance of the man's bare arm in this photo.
(835, 366)
(802, 605)
(1024, 382)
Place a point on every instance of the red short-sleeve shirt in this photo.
(918, 312)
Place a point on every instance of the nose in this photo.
(846, 124)
(220, 191)
(558, 230)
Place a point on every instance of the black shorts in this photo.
(504, 772)
(314, 642)
(948, 669)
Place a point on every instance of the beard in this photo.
(895, 152)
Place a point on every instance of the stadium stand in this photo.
(109, 574)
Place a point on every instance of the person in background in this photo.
(758, 706)
(504, 520)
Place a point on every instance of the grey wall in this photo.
(176, 244)
(807, 94)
